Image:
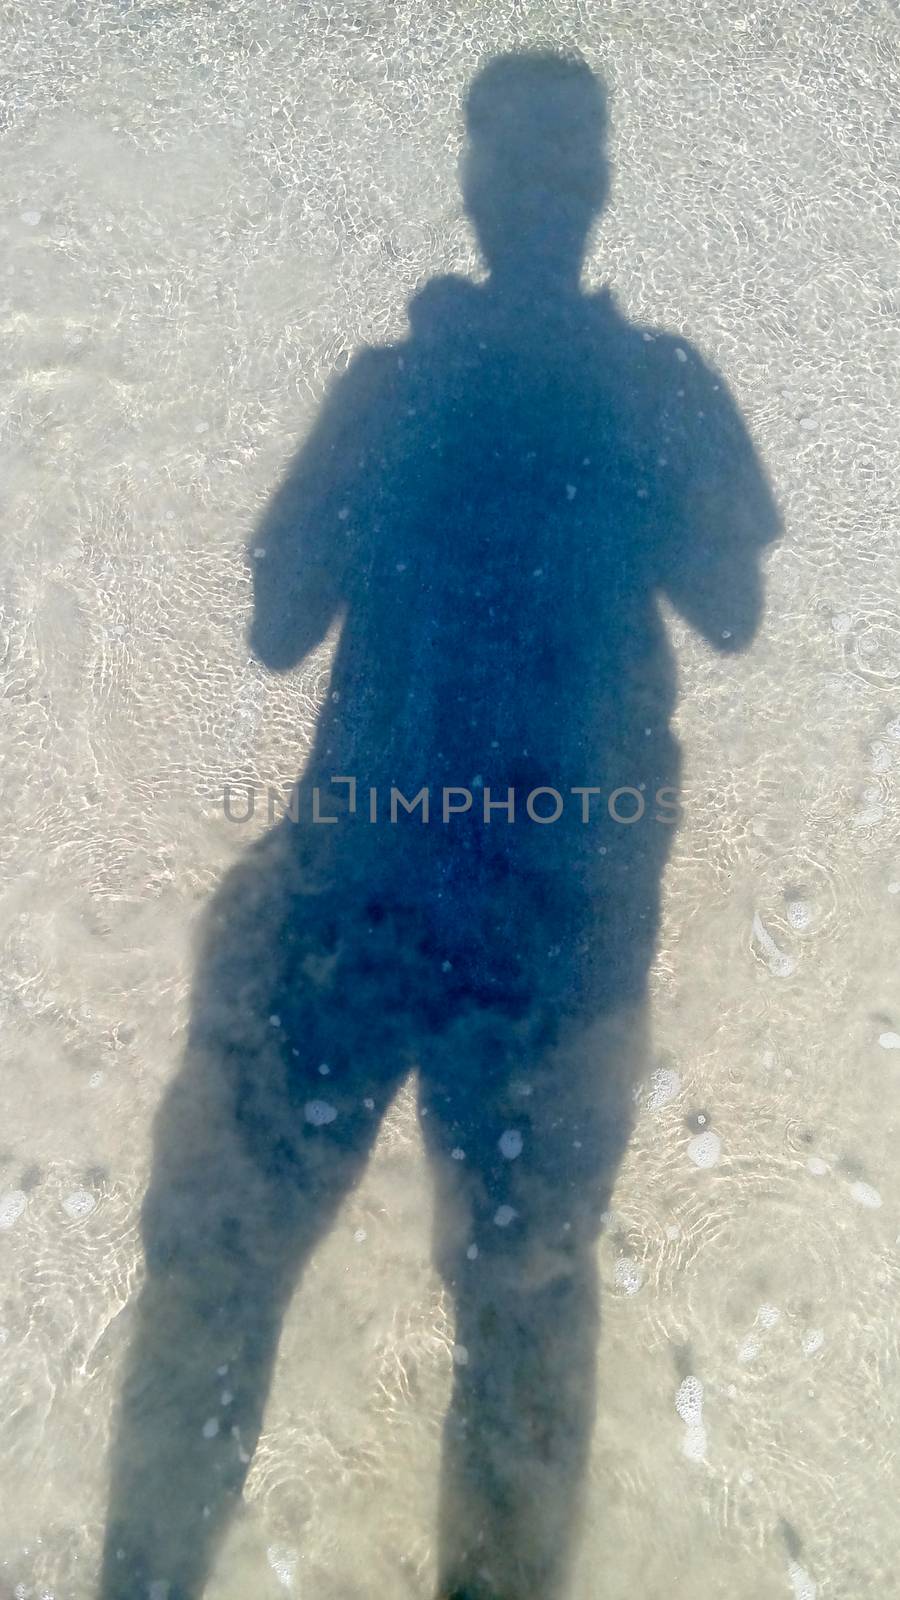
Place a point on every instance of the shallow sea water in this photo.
(205, 211)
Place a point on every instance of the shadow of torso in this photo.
(493, 509)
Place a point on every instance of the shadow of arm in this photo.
(724, 511)
(311, 533)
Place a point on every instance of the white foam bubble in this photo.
(689, 1401)
(767, 1316)
(472, 1252)
(79, 1203)
(889, 1041)
(211, 1428)
(12, 1204)
(318, 1112)
(283, 1562)
(813, 1340)
(628, 1275)
(460, 1355)
(504, 1215)
(799, 914)
(817, 1166)
(865, 1195)
(705, 1149)
(665, 1084)
(510, 1144)
(689, 1405)
(694, 1443)
(801, 1582)
(780, 964)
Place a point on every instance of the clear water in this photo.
(660, 1078)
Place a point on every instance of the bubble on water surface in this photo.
(889, 1041)
(318, 1112)
(689, 1405)
(510, 1144)
(780, 964)
(504, 1215)
(460, 1355)
(283, 1562)
(628, 1275)
(705, 1149)
(12, 1204)
(799, 914)
(813, 1340)
(689, 1401)
(211, 1428)
(865, 1195)
(79, 1203)
(817, 1166)
(801, 1582)
(664, 1085)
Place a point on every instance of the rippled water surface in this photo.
(206, 211)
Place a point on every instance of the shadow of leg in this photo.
(254, 1151)
(518, 1218)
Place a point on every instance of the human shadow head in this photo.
(535, 173)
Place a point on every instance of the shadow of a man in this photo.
(489, 511)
